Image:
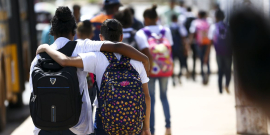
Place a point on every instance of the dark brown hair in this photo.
(124, 17)
(85, 28)
(111, 30)
(151, 12)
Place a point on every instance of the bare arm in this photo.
(206, 57)
(146, 51)
(121, 48)
(146, 123)
(61, 58)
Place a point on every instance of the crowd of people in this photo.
(162, 38)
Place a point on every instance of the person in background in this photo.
(85, 31)
(179, 47)
(199, 29)
(110, 8)
(136, 25)
(181, 8)
(77, 16)
(218, 34)
(166, 17)
(125, 18)
(77, 13)
(152, 30)
(213, 11)
(46, 37)
(190, 17)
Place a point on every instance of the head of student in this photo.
(219, 15)
(63, 23)
(85, 30)
(124, 17)
(174, 18)
(111, 6)
(111, 30)
(172, 4)
(181, 3)
(77, 12)
(189, 9)
(150, 16)
(202, 14)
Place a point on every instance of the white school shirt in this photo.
(141, 37)
(85, 124)
(182, 30)
(211, 31)
(97, 63)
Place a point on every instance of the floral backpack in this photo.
(121, 98)
(161, 51)
(202, 32)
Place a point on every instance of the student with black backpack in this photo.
(179, 48)
(123, 100)
(189, 18)
(60, 102)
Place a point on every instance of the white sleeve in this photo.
(183, 31)
(88, 45)
(141, 40)
(211, 31)
(192, 28)
(168, 35)
(34, 62)
(138, 66)
(89, 61)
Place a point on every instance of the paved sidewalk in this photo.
(195, 110)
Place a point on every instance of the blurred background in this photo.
(196, 109)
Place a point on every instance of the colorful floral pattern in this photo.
(121, 98)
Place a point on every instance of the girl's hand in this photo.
(42, 48)
(146, 132)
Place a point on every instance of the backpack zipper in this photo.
(33, 98)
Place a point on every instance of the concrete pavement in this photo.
(195, 110)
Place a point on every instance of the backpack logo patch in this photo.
(52, 80)
(124, 83)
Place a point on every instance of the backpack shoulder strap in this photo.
(110, 57)
(162, 32)
(147, 32)
(68, 48)
(125, 59)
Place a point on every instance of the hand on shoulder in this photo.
(42, 48)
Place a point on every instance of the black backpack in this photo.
(188, 22)
(56, 101)
(131, 40)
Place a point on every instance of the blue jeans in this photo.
(163, 83)
(63, 132)
(201, 50)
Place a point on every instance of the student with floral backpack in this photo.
(199, 29)
(157, 40)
